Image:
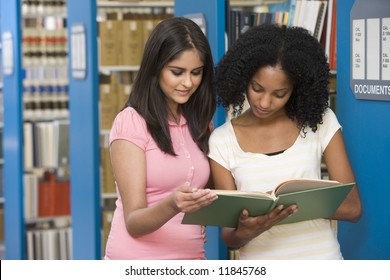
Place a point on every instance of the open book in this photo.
(314, 198)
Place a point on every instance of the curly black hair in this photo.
(300, 56)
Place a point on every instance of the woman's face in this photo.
(180, 78)
(268, 91)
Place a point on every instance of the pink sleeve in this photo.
(129, 125)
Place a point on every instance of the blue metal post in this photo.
(367, 137)
(84, 137)
(14, 226)
(214, 12)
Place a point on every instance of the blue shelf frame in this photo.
(367, 142)
(84, 138)
(14, 226)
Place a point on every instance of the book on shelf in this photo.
(333, 38)
(311, 16)
(238, 22)
(327, 28)
(296, 13)
(315, 199)
(61, 143)
(28, 146)
(46, 144)
(52, 243)
(53, 196)
(246, 21)
(308, 18)
(31, 195)
(320, 20)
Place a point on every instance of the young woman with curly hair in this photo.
(283, 73)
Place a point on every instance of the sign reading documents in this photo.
(370, 50)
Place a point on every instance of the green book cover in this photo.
(315, 203)
(226, 209)
(320, 199)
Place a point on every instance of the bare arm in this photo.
(129, 166)
(248, 227)
(340, 169)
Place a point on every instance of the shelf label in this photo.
(8, 53)
(200, 20)
(78, 52)
(370, 50)
(386, 49)
(358, 50)
(373, 47)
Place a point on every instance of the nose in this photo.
(187, 81)
(265, 100)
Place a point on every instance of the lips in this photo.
(183, 92)
(261, 111)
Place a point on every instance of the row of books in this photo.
(43, 7)
(46, 144)
(39, 41)
(317, 16)
(45, 70)
(240, 21)
(310, 15)
(121, 42)
(45, 102)
(54, 242)
(47, 204)
(46, 195)
(114, 91)
(49, 243)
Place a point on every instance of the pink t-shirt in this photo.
(164, 174)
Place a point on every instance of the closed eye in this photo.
(197, 72)
(279, 93)
(257, 88)
(176, 71)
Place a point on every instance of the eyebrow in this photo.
(280, 89)
(181, 68)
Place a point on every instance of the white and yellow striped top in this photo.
(315, 239)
